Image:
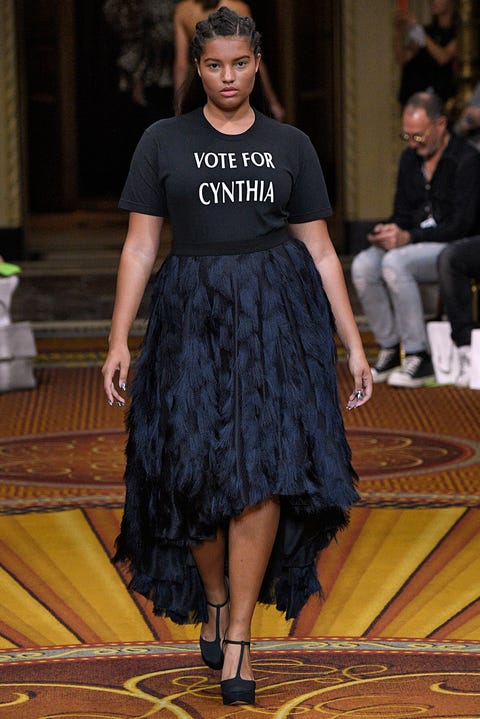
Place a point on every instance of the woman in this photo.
(237, 463)
(427, 53)
(187, 14)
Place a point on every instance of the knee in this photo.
(446, 260)
(364, 270)
(395, 268)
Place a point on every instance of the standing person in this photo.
(436, 201)
(458, 265)
(427, 54)
(146, 52)
(237, 462)
(187, 14)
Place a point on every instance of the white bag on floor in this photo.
(445, 360)
(17, 350)
(475, 361)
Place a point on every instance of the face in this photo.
(437, 7)
(424, 135)
(227, 67)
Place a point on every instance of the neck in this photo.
(444, 19)
(431, 162)
(229, 122)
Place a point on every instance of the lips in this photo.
(228, 92)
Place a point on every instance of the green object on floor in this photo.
(7, 269)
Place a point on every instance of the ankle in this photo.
(237, 659)
(217, 596)
(238, 631)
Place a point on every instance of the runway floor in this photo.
(396, 635)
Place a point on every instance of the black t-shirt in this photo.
(218, 188)
(423, 71)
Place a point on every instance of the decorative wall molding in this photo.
(350, 127)
(371, 111)
(10, 160)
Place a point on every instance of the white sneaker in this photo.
(465, 357)
(416, 371)
(388, 360)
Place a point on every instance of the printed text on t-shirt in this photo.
(245, 190)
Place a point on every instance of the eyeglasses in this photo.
(415, 137)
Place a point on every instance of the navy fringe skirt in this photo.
(234, 400)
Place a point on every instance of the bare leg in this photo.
(210, 560)
(251, 537)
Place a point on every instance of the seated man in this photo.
(458, 264)
(437, 200)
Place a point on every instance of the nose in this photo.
(227, 74)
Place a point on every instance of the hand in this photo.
(402, 17)
(277, 111)
(416, 34)
(388, 236)
(118, 360)
(138, 93)
(362, 380)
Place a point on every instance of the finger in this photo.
(122, 377)
(362, 392)
(355, 399)
(112, 394)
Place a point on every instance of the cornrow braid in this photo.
(224, 23)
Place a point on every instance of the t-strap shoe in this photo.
(212, 652)
(238, 690)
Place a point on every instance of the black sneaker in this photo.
(416, 371)
(388, 359)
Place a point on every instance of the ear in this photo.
(198, 68)
(257, 61)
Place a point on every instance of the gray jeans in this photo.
(387, 286)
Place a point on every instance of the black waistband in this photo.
(233, 247)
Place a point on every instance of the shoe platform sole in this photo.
(410, 382)
(382, 376)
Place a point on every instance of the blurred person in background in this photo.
(427, 53)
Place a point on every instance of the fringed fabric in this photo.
(234, 401)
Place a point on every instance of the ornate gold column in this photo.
(11, 209)
(370, 109)
(468, 47)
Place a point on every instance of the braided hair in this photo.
(222, 23)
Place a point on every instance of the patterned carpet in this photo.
(397, 635)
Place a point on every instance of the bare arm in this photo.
(403, 51)
(317, 240)
(276, 108)
(182, 45)
(441, 54)
(273, 102)
(136, 262)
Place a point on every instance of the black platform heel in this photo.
(238, 690)
(212, 652)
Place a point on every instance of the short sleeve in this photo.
(309, 198)
(144, 188)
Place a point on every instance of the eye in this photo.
(241, 63)
(212, 65)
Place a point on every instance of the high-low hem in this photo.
(234, 401)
